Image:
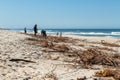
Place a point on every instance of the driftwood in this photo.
(16, 60)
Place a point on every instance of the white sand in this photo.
(12, 45)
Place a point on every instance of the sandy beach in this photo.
(29, 57)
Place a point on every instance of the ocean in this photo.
(115, 33)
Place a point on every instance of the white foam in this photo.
(115, 33)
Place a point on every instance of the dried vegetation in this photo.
(108, 73)
(87, 56)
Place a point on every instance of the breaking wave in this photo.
(90, 33)
(105, 33)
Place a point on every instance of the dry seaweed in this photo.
(44, 43)
(110, 44)
(86, 57)
(94, 56)
(107, 49)
(32, 39)
(84, 78)
(116, 56)
(108, 73)
(61, 47)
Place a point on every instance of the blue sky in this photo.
(60, 13)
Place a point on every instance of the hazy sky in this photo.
(60, 13)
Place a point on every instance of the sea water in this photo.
(115, 33)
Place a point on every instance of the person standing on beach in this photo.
(57, 34)
(35, 29)
(25, 30)
(60, 34)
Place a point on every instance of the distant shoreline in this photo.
(114, 33)
(4, 29)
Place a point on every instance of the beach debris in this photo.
(107, 49)
(52, 76)
(103, 41)
(44, 43)
(89, 56)
(110, 44)
(32, 39)
(84, 78)
(55, 57)
(93, 56)
(61, 47)
(82, 45)
(108, 73)
(59, 39)
(16, 60)
(116, 56)
(28, 78)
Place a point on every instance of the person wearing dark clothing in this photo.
(35, 29)
(25, 30)
(43, 33)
